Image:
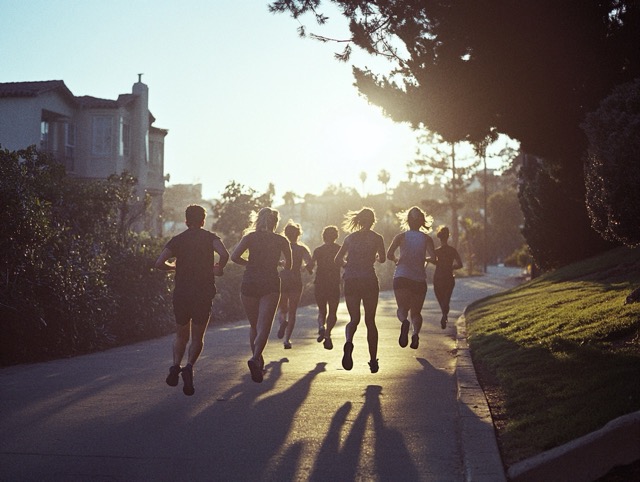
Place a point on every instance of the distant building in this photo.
(92, 137)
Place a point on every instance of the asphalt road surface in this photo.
(110, 416)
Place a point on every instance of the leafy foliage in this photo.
(613, 165)
(466, 70)
(233, 212)
(60, 293)
(548, 211)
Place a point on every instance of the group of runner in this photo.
(272, 281)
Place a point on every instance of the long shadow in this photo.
(391, 457)
(244, 437)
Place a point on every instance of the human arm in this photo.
(457, 262)
(285, 248)
(306, 259)
(219, 247)
(380, 253)
(431, 250)
(339, 259)
(239, 250)
(312, 262)
(397, 240)
(162, 263)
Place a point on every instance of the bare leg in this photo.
(403, 300)
(251, 309)
(183, 333)
(332, 316)
(370, 304)
(416, 303)
(294, 299)
(267, 312)
(197, 341)
(353, 307)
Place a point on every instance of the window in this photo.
(155, 153)
(101, 136)
(69, 144)
(125, 138)
(44, 135)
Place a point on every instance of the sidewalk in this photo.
(110, 416)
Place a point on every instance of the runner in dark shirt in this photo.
(194, 252)
(326, 284)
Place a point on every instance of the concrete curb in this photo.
(481, 460)
(582, 460)
(586, 458)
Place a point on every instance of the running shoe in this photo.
(320, 334)
(287, 345)
(256, 370)
(443, 322)
(174, 375)
(415, 341)
(404, 333)
(328, 344)
(373, 366)
(347, 360)
(187, 378)
(282, 329)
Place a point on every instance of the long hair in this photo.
(359, 220)
(415, 218)
(264, 220)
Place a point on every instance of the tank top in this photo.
(361, 255)
(413, 252)
(264, 256)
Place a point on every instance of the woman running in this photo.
(291, 283)
(410, 276)
(447, 260)
(326, 284)
(260, 287)
(362, 247)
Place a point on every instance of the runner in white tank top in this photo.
(410, 278)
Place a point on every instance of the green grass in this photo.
(559, 356)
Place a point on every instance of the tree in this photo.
(73, 280)
(384, 177)
(613, 165)
(435, 161)
(525, 69)
(233, 212)
(546, 208)
(504, 224)
(363, 179)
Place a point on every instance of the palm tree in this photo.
(363, 179)
(384, 177)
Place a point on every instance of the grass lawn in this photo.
(559, 356)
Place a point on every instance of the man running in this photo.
(195, 267)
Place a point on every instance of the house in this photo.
(92, 137)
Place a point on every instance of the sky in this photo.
(243, 97)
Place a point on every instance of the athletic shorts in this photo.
(189, 308)
(361, 287)
(327, 292)
(416, 287)
(259, 289)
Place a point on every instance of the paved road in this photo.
(110, 416)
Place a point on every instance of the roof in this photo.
(32, 89)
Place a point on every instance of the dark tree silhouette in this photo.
(531, 70)
(613, 165)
